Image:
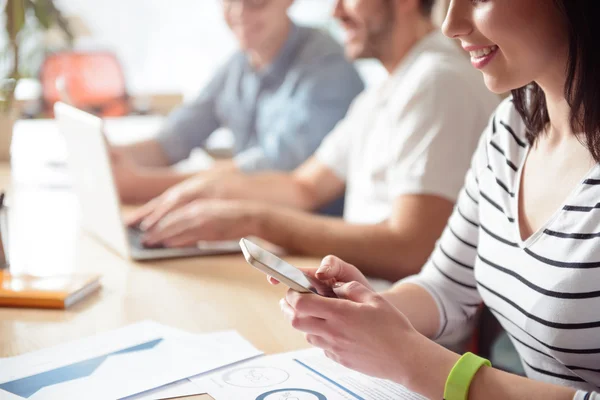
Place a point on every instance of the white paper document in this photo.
(119, 363)
(303, 375)
(181, 388)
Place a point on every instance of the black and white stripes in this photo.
(545, 290)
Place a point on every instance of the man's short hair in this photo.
(427, 7)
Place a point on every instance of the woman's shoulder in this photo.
(508, 122)
(506, 137)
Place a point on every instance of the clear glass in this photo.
(4, 262)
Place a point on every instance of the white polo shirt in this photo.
(415, 134)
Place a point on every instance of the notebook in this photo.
(45, 292)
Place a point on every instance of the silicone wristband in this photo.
(461, 376)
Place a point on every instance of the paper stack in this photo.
(304, 374)
(119, 363)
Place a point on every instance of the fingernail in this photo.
(323, 269)
(338, 285)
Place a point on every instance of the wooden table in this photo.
(198, 295)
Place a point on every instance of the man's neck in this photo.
(402, 40)
(268, 51)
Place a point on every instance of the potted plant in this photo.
(22, 20)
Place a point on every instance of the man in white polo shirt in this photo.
(400, 155)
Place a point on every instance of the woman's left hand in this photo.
(360, 330)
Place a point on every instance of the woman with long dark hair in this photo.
(523, 239)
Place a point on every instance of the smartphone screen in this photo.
(275, 263)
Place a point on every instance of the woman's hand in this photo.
(360, 330)
(332, 271)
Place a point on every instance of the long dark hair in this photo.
(427, 7)
(582, 89)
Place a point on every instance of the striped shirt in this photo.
(545, 291)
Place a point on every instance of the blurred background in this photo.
(167, 47)
(176, 45)
(159, 54)
(166, 50)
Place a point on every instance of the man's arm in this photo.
(318, 181)
(147, 153)
(187, 127)
(308, 188)
(135, 178)
(311, 186)
(391, 250)
(142, 170)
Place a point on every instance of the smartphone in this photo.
(285, 273)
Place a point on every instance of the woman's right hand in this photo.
(332, 271)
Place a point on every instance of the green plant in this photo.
(7, 88)
(18, 14)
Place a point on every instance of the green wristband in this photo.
(461, 376)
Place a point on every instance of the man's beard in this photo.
(378, 35)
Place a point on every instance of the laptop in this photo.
(93, 181)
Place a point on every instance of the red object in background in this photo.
(91, 81)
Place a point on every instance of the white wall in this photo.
(175, 45)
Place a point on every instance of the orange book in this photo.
(45, 292)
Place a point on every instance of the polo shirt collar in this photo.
(284, 58)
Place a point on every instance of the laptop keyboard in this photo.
(135, 235)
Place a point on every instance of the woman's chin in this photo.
(496, 85)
